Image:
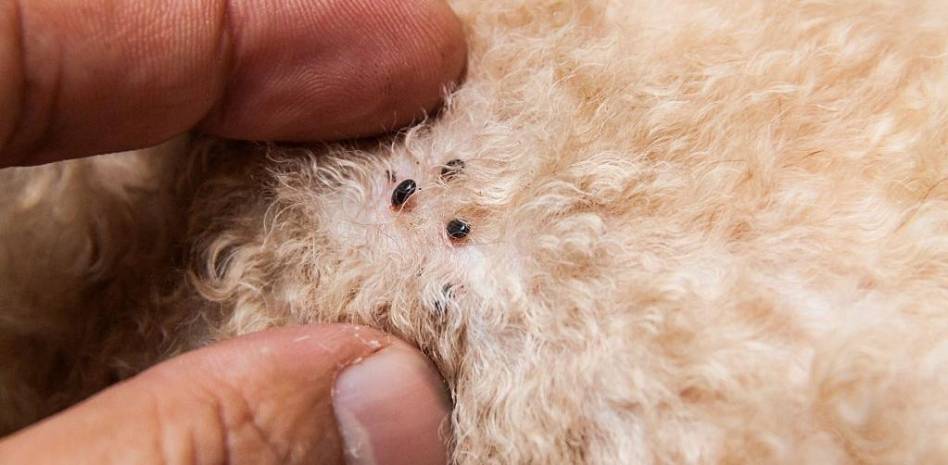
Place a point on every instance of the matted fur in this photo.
(703, 232)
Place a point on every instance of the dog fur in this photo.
(704, 231)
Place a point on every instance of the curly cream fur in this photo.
(703, 232)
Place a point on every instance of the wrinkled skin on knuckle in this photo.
(209, 426)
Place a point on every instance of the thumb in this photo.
(328, 394)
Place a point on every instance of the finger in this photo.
(268, 398)
(86, 77)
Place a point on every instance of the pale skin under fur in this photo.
(704, 232)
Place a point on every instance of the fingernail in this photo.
(393, 409)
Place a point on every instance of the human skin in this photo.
(268, 398)
(97, 76)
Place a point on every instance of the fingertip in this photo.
(429, 61)
(339, 392)
(368, 67)
(393, 409)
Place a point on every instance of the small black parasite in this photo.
(447, 295)
(452, 169)
(391, 176)
(402, 192)
(448, 291)
(458, 229)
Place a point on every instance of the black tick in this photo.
(458, 229)
(403, 191)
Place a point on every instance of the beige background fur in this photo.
(703, 232)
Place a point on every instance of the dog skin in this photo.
(699, 232)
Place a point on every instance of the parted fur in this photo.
(703, 231)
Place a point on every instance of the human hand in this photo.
(96, 76)
(273, 397)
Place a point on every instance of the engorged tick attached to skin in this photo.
(458, 229)
(402, 192)
(452, 169)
